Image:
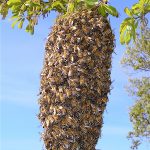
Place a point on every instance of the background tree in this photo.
(137, 60)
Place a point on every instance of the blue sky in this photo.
(21, 57)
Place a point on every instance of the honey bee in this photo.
(68, 92)
(82, 80)
(65, 54)
(108, 31)
(104, 48)
(78, 89)
(65, 70)
(98, 42)
(60, 89)
(94, 48)
(72, 58)
(85, 30)
(47, 123)
(61, 96)
(73, 28)
(104, 100)
(53, 89)
(54, 135)
(70, 22)
(77, 33)
(80, 55)
(100, 25)
(70, 73)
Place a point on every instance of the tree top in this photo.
(31, 10)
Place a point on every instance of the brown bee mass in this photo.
(75, 81)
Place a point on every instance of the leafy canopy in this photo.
(31, 10)
(140, 111)
(137, 58)
(137, 55)
(130, 24)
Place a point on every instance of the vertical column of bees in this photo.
(75, 81)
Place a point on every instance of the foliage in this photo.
(140, 111)
(130, 24)
(31, 10)
(137, 57)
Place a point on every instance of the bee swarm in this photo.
(75, 81)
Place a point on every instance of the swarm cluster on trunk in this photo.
(75, 81)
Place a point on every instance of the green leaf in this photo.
(122, 35)
(58, 4)
(128, 37)
(128, 12)
(36, 2)
(136, 9)
(125, 22)
(91, 3)
(4, 10)
(71, 7)
(14, 17)
(136, 24)
(102, 11)
(134, 27)
(14, 23)
(31, 31)
(111, 10)
(23, 8)
(133, 34)
(127, 30)
(147, 8)
(21, 23)
(46, 10)
(11, 2)
(15, 7)
(28, 27)
(141, 2)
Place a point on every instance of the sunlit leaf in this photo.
(128, 37)
(102, 11)
(111, 10)
(23, 8)
(71, 7)
(11, 2)
(128, 12)
(122, 40)
(91, 3)
(58, 3)
(21, 23)
(14, 17)
(32, 30)
(136, 9)
(147, 8)
(125, 22)
(14, 23)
